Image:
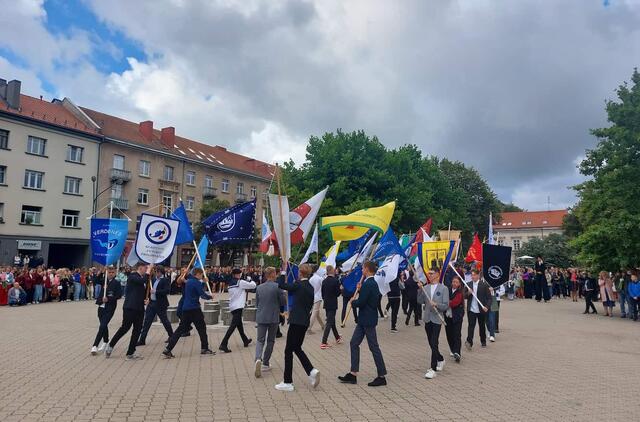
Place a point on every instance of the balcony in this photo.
(169, 185)
(121, 175)
(208, 192)
(120, 203)
(241, 197)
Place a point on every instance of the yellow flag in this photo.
(356, 224)
(436, 255)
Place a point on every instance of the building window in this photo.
(70, 218)
(144, 168)
(254, 191)
(191, 178)
(240, 187)
(191, 202)
(33, 179)
(116, 191)
(168, 173)
(118, 162)
(208, 181)
(143, 196)
(167, 204)
(4, 139)
(30, 215)
(225, 185)
(1, 212)
(3, 175)
(74, 153)
(72, 185)
(516, 244)
(36, 146)
(501, 242)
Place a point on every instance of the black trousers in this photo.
(295, 338)
(104, 316)
(405, 301)
(588, 301)
(152, 310)
(542, 291)
(236, 323)
(195, 317)
(330, 325)
(394, 303)
(345, 303)
(415, 308)
(380, 306)
(433, 334)
(453, 330)
(482, 322)
(130, 318)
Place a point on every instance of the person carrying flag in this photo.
(106, 308)
(237, 300)
(436, 299)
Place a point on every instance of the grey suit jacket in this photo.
(269, 299)
(440, 297)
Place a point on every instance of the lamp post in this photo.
(95, 197)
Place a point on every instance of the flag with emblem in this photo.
(496, 264)
(231, 225)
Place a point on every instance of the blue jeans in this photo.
(491, 323)
(97, 291)
(77, 287)
(622, 296)
(37, 294)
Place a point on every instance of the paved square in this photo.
(550, 362)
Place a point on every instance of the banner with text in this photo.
(108, 238)
(156, 238)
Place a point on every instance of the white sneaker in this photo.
(265, 368)
(102, 347)
(492, 338)
(94, 350)
(431, 374)
(258, 370)
(314, 377)
(440, 366)
(283, 386)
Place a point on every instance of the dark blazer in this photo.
(483, 293)
(330, 293)
(411, 289)
(162, 290)
(136, 292)
(367, 301)
(302, 300)
(114, 292)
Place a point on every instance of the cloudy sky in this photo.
(510, 87)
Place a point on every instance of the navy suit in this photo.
(157, 307)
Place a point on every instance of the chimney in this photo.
(3, 89)
(146, 129)
(13, 94)
(168, 136)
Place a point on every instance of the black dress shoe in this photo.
(168, 354)
(224, 349)
(406, 322)
(207, 352)
(248, 342)
(379, 381)
(167, 340)
(585, 312)
(349, 378)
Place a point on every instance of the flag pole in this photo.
(357, 292)
(285, 259)
(206, 278)
(104, 293)
(424, 289)
(465, 285)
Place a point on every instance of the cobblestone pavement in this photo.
(549, 362)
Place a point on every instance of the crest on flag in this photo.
(156, 238)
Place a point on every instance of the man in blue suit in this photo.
(157, 305)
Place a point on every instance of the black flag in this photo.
(496, 262)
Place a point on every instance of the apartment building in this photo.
(48, 157)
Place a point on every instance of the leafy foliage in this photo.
(554, 248)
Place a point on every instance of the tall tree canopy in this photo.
(608, 212)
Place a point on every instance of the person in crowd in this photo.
(17, 296)
(404, 275)
(621, 284)
(589, 291)
(237, 301)
(394, 297)
(316, 282)
(192, 314)
(478, 305)
(158, 304)
(367, 302)
(411, 289)
(606, 293)
(454, 318)
(269, 300)
(435, 297)
(542, 291)
(331, 291)
(347, 294)
(299, 315)
(107, 304)
(633, 291)
(132, 311)
(493, 317)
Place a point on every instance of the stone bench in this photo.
(249, 314)
(211, 317)
(211, 306)
(225, 316)
(172, 314)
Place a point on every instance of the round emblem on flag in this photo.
(158, 232)
(227, 223)
(495, 272)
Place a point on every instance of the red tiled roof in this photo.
(52, 113)
(125, 130)
(530, 219)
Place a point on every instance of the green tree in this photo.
(609, 202)
(554, 248)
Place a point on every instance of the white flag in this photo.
(387, 272)
(279, 206)
(313, 246)
(132, 258)
(156, 238)
(419, 275)
(359, 257)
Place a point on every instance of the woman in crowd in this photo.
(606, 293)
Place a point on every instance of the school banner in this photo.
(436, 255)
(156, 238)
(496, 264)
(108, 238)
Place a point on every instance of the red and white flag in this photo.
(302, 217)
(266, 234)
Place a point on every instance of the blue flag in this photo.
(185, 234)
(350, 281)
(108, 237)
(235, 224)
(202, 250)
(292, 276)
(353, 248)
(388, 246)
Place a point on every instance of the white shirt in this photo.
(316, 282)
(474, 303)
(432, 289)
(155, 286)
(237, 295)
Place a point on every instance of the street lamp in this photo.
(95, 197)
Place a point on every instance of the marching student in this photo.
(367, 301)
(454, 318)
(269, 299)
(303, 297)
(436, 299)
(316, 282)
(476, 312)
(393, 297)
(106, 309)
(132, 311)
(237, 300)
(331, 291)
(493, 317)
(411, 290)
(192, 314)
(157, 305)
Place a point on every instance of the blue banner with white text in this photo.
(108, 238)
